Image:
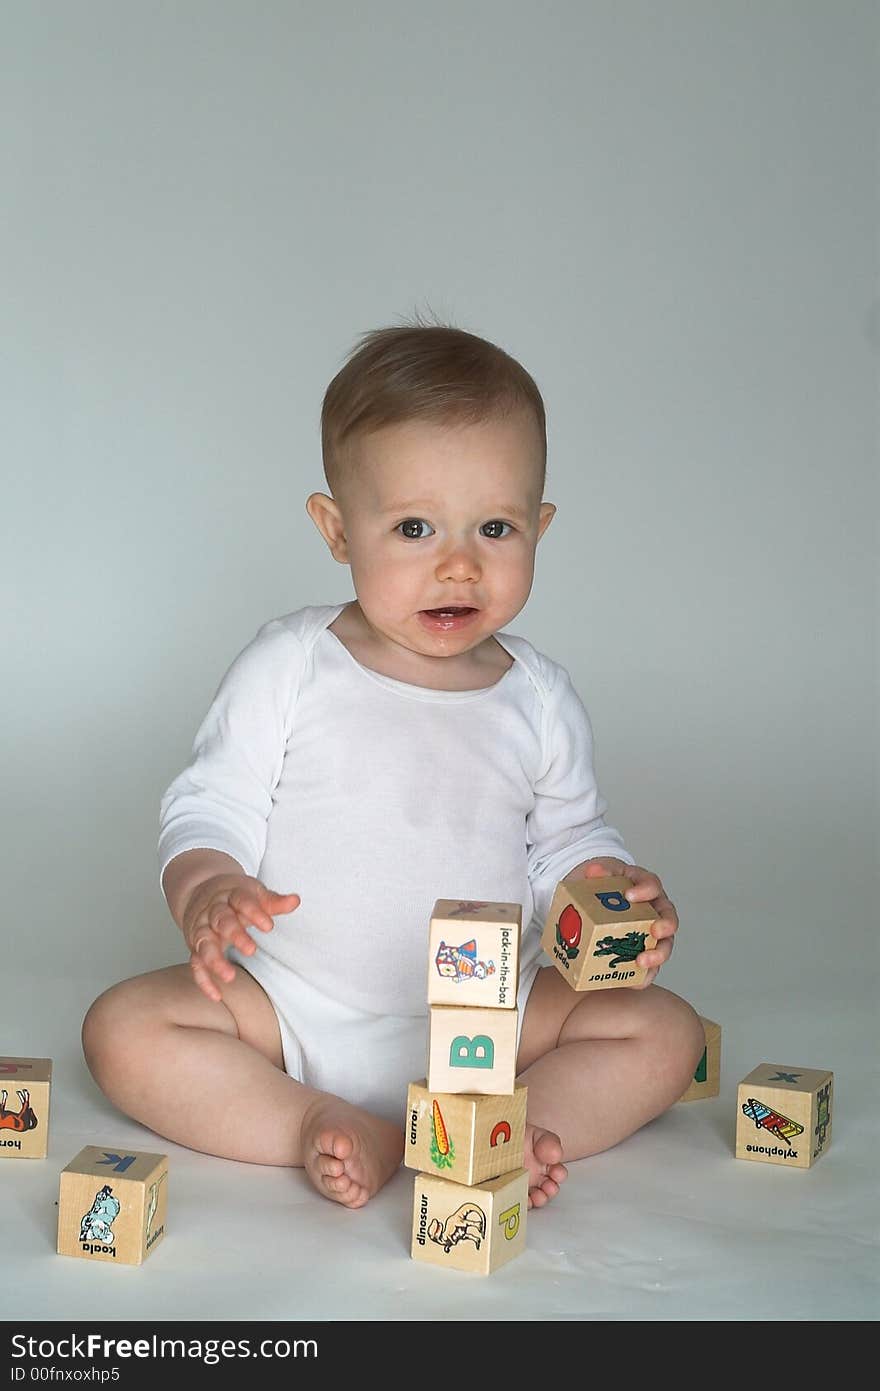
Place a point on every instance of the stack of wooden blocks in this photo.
(465, 1121)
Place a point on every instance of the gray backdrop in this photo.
(668, 213)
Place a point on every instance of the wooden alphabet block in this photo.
(593, 934)
(784, 1115)
(471, 1050)
(706, 1080)
(25, 1087)
(112, 1205)
(464, 1137)
(476, 1229)
(473, 953)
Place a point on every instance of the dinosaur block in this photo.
(473, 953)
(706, 1080)
(476, 1229)
(25, 1086)
(783, 1115)
(112, 1205)
(464, 1137)
(593, 934)
(472, 1050)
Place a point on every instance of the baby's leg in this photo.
(210, 1076)
(599, 1065)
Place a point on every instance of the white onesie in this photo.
(371, 798)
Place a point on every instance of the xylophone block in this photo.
(593, 934)
(24, 1120)
(706, 1080)
(112, 1205)
(476, 1229)
(466, 1138)
(783, 1115)
(473, 953)
(472, 1050)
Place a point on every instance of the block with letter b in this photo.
(473, 953)
(783, 1115)
(593, 934)
(25, 1089)
(112, 1205)
(472, 1050)
(477, 1228)
(464, 1137)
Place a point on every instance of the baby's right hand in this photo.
(216, 917)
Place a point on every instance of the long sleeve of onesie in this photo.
(567, 824)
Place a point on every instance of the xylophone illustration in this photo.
(765, 1119)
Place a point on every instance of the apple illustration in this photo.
(568, 930)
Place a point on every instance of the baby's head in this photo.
(434, 446)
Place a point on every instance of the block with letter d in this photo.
(112, 1205)
(593, 934)
(476, 1229)
(472, 1050)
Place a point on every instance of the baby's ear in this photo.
(325, 513)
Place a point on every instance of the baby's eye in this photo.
(412, 522)
(495, 535)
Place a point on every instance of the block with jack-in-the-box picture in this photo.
(464, 1137)
(783, 1115)
(593, 934)
(25, 1093)
(473, 953)
(470, 1228)
(112, 1205)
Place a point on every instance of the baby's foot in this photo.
(348, 1153)
(542, 1157)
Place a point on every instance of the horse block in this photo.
(24, 1120)
(473, 953)
(464, 1138)
(477, 1229)
(783, 1115)
(593, 934)
(472, 1050)
(112, 1206)
(706, 1081)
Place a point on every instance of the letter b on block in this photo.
(472, 1050)
(478, 1051)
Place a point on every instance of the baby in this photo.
(361, 760)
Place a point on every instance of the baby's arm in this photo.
(213, 902)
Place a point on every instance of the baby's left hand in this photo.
(646, 888)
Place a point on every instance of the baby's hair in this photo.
(428, 371)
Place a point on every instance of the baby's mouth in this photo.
(448, 612)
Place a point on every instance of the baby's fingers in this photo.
(208, 962)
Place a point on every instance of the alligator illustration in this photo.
(621, 948)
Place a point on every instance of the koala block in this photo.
(476, 1229)
(593, 934)
(783, 1115)
(25, 1086)
(473, 953)
(112, 1205)
(472, 1050)
(706, 1080)
(464, 1137)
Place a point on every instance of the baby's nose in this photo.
(459, 563)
